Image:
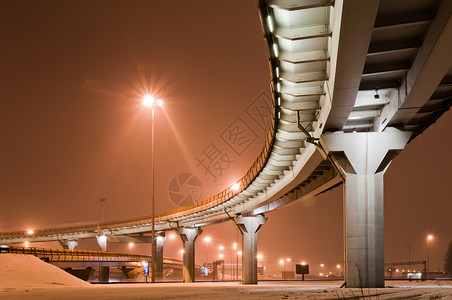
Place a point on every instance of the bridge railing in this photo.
(59, 255)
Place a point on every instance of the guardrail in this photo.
(65, 255)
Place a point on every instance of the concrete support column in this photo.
(104, 274)
(157, 263)
(103, 242)
(363, 159)
(188, 236)
(68, 244)
(249, 226)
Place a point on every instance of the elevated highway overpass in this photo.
(352, 82)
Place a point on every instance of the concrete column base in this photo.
(188, 236)
(249, 226)
(363, 158)
(158, 262)
(104, 274)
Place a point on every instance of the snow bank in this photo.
(18, 272)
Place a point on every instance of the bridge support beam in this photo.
(363, 159)
(68, 244)
(188, 236)
(159, 241)
(249, 226)
(103, 242)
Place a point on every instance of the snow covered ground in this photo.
(26, 277)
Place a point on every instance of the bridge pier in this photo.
(157, 263)
(104, 274)
(363, 159)
(249, 226)
(188, 236)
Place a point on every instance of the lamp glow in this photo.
(275, 50)
(235, 187)
(150, 102)
(270, 23)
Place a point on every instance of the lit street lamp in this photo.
(429, 238)
(207, 239)
(150, 102)
(281, 261)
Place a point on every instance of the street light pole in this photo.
(429, 238)
(102, 202)
(409, 256)
(154, 262)
(150, 102)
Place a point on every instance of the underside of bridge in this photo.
(352, 82)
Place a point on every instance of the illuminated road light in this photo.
(30, 231)
(235, 187)
(270, 23)
(150, 102)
